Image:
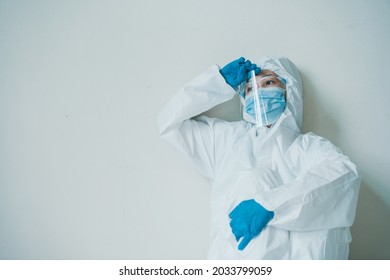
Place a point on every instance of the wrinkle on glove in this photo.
(237, 71)
(248, 220)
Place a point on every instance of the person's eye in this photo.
(269, 83)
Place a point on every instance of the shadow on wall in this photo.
(315, 117)
(371, 229)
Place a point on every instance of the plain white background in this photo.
(83, 171)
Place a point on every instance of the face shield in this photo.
(263, 99)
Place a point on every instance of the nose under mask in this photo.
(272, 105)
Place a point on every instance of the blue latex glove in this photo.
(237, 71)
(248, 220)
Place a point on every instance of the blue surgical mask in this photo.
(272, 105)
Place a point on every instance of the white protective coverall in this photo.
(307, 181)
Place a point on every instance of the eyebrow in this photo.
(263, 76)
(267, 75)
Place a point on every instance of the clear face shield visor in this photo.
(263, 98)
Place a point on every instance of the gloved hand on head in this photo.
(237, 71)
(247, 220)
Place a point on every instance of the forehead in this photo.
(265, 72)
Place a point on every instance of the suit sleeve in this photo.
(194, 137)
(323, 194)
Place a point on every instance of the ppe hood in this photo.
(286, 70)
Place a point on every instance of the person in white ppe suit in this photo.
(276, 193)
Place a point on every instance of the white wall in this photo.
(83, 172)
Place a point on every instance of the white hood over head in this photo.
(285, 69)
